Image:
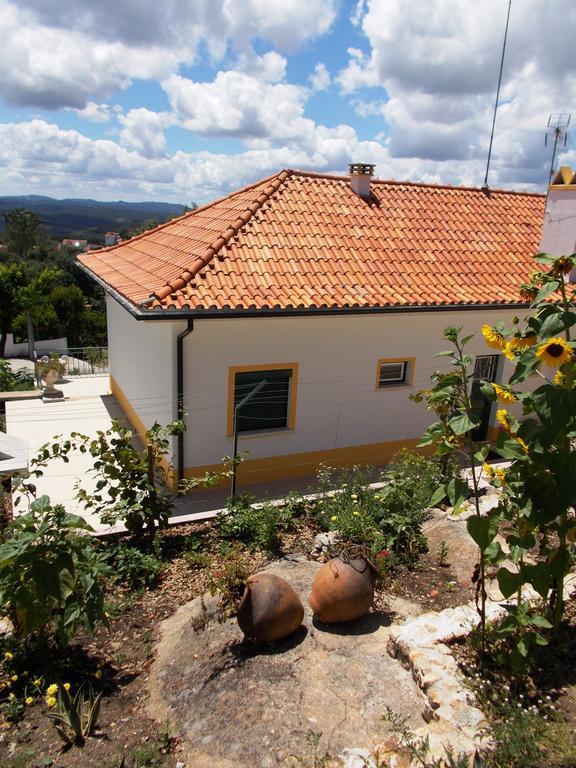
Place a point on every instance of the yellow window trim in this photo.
(233, 370)
(411, 361)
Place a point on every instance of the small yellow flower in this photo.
(555, 352)
(14, 678)
(51, 701)
(503, 418)
(37, 682)
(333, 518)
(8, 656)
(29, 700)
(493, 338)
(66, 686)
(504, 395)
(11, 697)
(52, 689)
(522, 444)
(488, 471)
(98, 674)
(354, 497)
(500, 475)
(356, 513)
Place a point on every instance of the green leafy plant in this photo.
(385, 519)
(453, 433)
(443, 554)
(229, 580)
(136, 569)
(75, 718)
(54, 363)
(255, 524)
(195, 554)
(52, 576)
(14, 381)
(134, 486)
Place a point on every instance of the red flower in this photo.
(384, 553)
(217, 574)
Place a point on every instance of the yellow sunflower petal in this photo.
(554, 352)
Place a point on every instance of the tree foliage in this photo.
(23, 230)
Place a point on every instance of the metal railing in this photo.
(87, 361)
(80, 361)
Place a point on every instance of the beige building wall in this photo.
(341, 416)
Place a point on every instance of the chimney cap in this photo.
(362, 169)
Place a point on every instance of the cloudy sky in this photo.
(185, 100)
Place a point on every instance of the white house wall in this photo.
(338, 405)
(142, 365)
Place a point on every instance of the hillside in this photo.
(88, 219)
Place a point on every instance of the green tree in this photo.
(13, 279)
(22, 231)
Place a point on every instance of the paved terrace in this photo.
(88, 408)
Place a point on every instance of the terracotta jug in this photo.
(270, 609)
(343, 591)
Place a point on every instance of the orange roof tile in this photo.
(306, 241)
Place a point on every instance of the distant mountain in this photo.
(89, 219)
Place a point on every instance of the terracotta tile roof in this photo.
(307, 241)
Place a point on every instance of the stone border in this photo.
(420, 644)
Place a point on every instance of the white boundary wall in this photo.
(44, 345)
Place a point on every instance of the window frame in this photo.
(408, 380)
(292, 392)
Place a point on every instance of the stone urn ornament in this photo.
(270, 609)
(51, 369)
(343, 590)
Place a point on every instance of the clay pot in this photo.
(343, 591)
(270, 609)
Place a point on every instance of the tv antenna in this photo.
(485, 187)
(557, 130)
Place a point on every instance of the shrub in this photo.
(135, 568)
(229, 580)
(255, 524)
(14, 381)
(388, 519)
(51, 573)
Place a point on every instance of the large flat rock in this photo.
(245, 705)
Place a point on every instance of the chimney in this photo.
(360, 175)
(559, 228)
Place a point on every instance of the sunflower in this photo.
(563, 265)
(509, 351)
(554, 352)
(500, 475)
(523, 341)
(504, 395)
(493, 338)
(503, 418)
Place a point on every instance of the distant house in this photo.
(111, 238)
(332, 290)
(81, 245)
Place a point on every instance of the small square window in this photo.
(394, 372)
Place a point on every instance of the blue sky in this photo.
(190, 99)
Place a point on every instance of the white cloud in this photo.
(67, 53)
(97, 113)
(436, 67)
(239, 105)
(320, 79)
(270, 67)
(143, 130)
